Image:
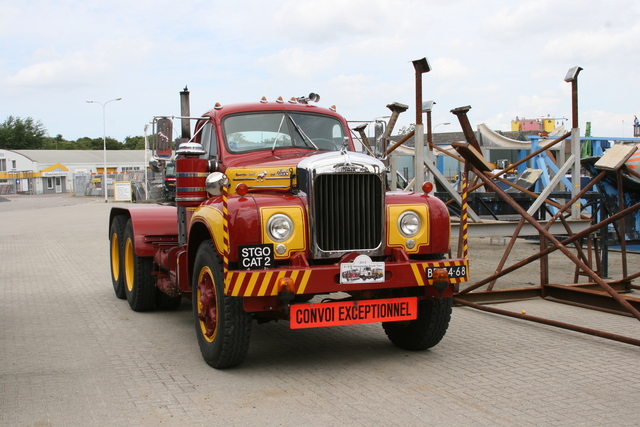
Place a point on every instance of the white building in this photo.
(52, 171)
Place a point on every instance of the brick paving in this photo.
(72, 354)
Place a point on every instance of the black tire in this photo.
(424, 332)
(116, 254)
(140, 287)
(165, 302)
(222, 326)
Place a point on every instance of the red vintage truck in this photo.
(277, 217)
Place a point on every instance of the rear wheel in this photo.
(222, 326)
(116, 246)
(424, 332)
(140, 287)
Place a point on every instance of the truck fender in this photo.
(150, 223)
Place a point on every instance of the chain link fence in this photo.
(151, 189)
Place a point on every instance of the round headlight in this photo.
(280, 227)
(409, 224)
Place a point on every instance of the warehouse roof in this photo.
(66, 157)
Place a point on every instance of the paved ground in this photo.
(72, 354)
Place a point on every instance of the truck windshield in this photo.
(269, 131)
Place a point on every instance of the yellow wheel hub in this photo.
(129, 264)
(115, 257)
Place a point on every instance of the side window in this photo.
(208, 140)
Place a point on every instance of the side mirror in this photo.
(380, 143)
(162, 138)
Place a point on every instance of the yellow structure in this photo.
(546, 124)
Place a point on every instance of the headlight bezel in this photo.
(408, 221)
(278, 220)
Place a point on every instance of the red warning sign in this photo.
(353, 312)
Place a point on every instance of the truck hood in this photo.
(278, 173)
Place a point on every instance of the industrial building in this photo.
(53, 171)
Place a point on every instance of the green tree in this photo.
(86, 143)
(112, 144)
(22, 134)
(55, 143)
(134, 143)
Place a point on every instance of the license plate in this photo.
(455, 271)
(353, 312)
(251, 257)
(361, 270)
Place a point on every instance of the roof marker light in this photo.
(280, 100)
(427, 187)
(332, 108)
(264, 100)
(218, 106)
(293, 100)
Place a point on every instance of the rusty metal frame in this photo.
(576, 294)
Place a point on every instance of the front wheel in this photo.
(222, 326)
(424, 332)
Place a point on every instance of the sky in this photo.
(504, 58)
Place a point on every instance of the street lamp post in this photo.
(440, 124)
(104, 142)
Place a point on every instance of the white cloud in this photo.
(51, 68)
(299, 63)
(327, 21)
(592, 45)
(608, 124)
(445, 68)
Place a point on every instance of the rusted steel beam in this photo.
(529, 193)
(544, 263)
(619, 285)
(518, 163)
(525, 159)
(507, 251)
(502, 295)
(519, 294)
(443, 151)
(363, 136)
(576, 328)
(588, 297)
(461, 113)
(632, 276)
(581, 193)
(402, 141)
(556, 242)
(623, 233)
(581, 234)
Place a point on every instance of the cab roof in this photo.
(222, 110)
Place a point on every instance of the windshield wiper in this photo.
(273, 147)
(302, 134)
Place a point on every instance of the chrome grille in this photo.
(348, 211)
